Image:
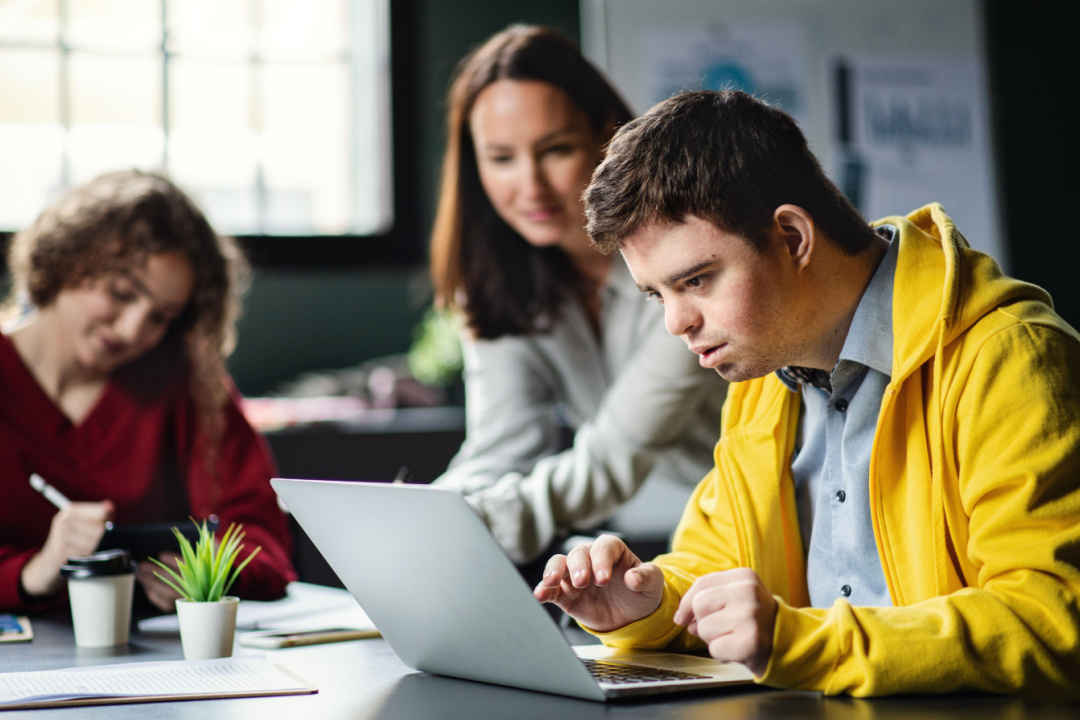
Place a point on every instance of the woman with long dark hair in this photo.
(557, 334)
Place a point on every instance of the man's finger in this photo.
(579, 565)
(554, 572)
(684, 615)
(604, 555)
(546, 593)
(644, 578)
(715, 582)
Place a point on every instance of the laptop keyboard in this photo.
(619, 673)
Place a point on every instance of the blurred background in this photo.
(313, 131)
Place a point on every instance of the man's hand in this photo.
(734, 613)
(602, 584)
(160, 594)
(75, 530)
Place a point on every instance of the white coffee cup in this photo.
(101, 587)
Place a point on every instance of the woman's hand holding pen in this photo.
(75, 530)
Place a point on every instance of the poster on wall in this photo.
(898, 120)
(764, 59)
(911, 131)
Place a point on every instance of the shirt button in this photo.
(841, 405)
(845, 591)
(841, 496)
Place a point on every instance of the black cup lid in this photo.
(106, 562)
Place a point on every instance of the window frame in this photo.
(402, 244)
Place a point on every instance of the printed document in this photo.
(152, 681)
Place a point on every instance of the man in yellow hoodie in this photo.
(895, 502)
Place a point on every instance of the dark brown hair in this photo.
(116, 222)
(725, 157)
(504, 284)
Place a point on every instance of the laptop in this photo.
(448, 600)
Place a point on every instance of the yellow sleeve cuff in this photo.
(652, 632)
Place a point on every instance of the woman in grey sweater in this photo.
(557, 335)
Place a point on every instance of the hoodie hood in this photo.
(942, 287)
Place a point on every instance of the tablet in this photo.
(145, 541)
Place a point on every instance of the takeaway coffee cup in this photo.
(101, 586)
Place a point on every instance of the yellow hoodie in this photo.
(974, 492)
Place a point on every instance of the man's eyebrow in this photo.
(679, 275)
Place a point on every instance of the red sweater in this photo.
(140, 448)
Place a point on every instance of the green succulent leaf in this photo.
(174, 580)
(206, 571)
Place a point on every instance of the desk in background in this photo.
(364, 444)
(335, 439)
(364, 680)
(340, 442)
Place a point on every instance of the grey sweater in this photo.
(645, 418)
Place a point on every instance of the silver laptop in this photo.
(448, 600)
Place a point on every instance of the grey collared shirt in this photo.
(831, 466)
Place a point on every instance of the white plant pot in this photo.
(207, 629)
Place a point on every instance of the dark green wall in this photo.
(315, 320)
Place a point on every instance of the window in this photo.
(273, 114)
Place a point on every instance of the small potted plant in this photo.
(203, 576)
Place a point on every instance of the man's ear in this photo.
(797, 230)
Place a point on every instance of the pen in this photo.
(55, 496)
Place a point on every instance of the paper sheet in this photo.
(214, 678)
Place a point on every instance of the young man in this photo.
(895, 506)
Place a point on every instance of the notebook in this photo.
(449, 601)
